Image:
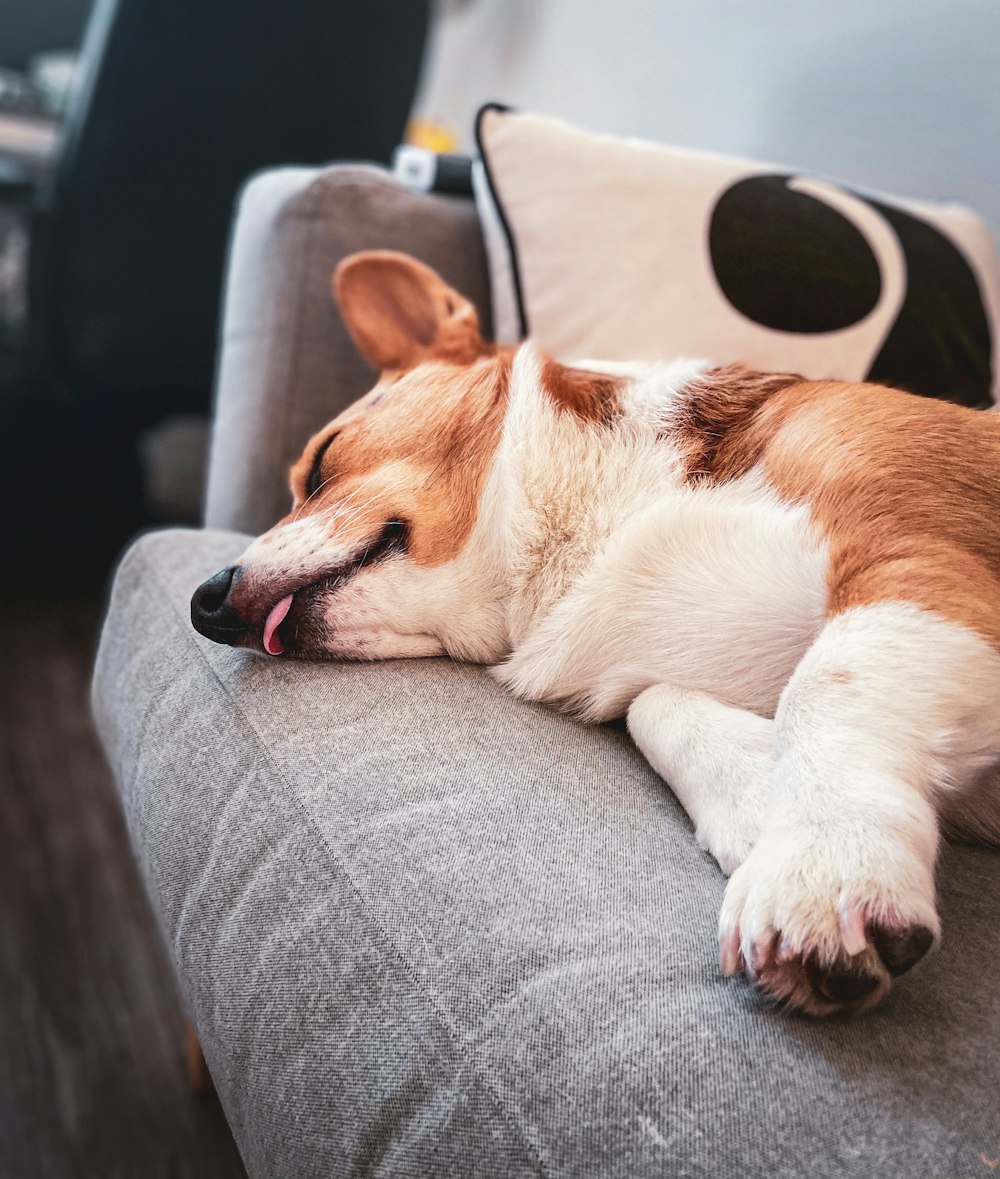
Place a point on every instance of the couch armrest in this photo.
(286, 362)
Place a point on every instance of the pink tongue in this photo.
(272, 643)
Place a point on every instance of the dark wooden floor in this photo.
(92, 1079)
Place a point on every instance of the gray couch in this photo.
(426, 930)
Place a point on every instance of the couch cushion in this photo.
(426, 930)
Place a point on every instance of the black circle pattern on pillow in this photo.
(791, 262)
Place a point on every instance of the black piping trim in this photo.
(515, 269)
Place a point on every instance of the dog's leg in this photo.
(973, 815)
(889, 711)
(717, 759)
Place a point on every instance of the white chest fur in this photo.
(622, 575)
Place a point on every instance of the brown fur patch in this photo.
(594, 397)
(906, 489)
(420, 453)
(722, 436)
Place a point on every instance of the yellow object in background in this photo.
(433, 136)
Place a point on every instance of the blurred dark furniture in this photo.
(179, 103)
(28, 27)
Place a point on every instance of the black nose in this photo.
(211, 613)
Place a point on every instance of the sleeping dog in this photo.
(789, 587)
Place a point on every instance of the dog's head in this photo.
(386, 496)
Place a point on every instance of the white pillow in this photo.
(615, 249)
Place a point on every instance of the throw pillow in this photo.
(613, 249)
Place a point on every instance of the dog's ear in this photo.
(401, 313)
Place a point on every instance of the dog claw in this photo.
(852, 928)
(762, 953)
(729, 952)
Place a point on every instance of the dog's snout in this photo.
(211, 612)
(210, 597)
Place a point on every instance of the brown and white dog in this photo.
(790, 587)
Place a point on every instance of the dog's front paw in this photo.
(824, 925)
(729, 838)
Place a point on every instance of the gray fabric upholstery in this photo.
(426, 930)
(287, 364)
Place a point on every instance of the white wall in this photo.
(898, 95)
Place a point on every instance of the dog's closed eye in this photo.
(315, 479)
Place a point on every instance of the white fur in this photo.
(719, 761)
(620, 575)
